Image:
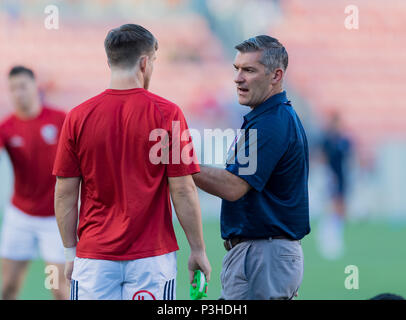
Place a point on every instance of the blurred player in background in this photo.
(336, 150)
(127, 245)
(30, 137)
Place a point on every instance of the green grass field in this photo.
(377, 249)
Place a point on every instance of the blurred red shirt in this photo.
(31, 145)
(125, 210)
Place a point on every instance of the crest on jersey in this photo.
(16, 141)
(49, 133)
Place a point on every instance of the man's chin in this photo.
(244, 102)
(23, 106)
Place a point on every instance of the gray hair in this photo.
(274, 53)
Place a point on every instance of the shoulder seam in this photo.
(97, 97)
(163, 118)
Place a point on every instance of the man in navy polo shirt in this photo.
(265, 209)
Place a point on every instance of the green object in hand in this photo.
(199, 291)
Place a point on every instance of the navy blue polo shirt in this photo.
(272, 155)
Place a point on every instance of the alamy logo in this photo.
(176, 147)
(351, 22)
(352, 280)
(52, 19)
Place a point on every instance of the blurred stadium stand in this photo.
(358, 72)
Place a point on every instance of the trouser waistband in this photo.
(231, 243)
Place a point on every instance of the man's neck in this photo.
(124, 80)
(30, 113)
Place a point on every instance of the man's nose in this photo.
(238, 78)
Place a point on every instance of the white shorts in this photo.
(25, 237)
(152, 278)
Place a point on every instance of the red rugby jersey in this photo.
(31, 145)
(125, 210)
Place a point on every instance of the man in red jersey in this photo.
(30, 137)
(127, 245)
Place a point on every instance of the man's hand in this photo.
(68, 270)
(198, 261)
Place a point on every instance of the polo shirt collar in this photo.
(266, 105)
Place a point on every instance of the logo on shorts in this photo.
(49, 133)
(143, 295)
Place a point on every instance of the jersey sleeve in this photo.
(182, 156)
(66, 161)
(258, 151)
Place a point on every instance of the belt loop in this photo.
(270, 239)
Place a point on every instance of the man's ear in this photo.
(143, 63)
(277, 75)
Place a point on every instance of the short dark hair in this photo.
(17, 70)
(274, 53)
(124, 45)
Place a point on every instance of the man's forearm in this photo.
(66, 216)
(186, 203)
(66, 212)
(214, 181)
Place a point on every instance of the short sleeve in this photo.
(258, 151)
(182, 156)
(66, 160)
